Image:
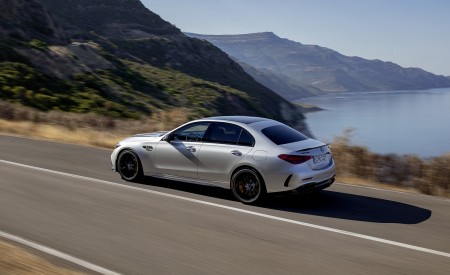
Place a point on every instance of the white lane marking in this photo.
(324, 228)
(58, 254)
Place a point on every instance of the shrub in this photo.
(38, 44)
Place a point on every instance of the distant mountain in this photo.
(319, 67)
(117, 58)
(282, 84)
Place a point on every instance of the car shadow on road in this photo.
(333, 204)
(326, 203)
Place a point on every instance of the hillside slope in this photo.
(117, 58)
(321, 67)
(280, 83)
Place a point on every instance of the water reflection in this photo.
(403, 122)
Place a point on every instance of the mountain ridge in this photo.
(323, 68)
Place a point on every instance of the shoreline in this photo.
(308, 108)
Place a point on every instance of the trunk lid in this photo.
(319, 152)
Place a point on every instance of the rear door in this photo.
(225, 146)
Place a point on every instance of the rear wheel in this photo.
(129, 166)
(247, 186)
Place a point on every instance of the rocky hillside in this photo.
(111, 18)
(322, 68)
(117, 58)
(34, 23)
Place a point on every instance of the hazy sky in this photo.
(412, 33)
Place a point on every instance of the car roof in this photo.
(240, 119)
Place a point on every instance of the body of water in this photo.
(402, 122)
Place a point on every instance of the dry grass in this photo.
(59, 133)
(15, 260)
(87, 129)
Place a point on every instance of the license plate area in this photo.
(320, 158)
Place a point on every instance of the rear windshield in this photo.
(282, 134)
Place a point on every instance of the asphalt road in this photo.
(134, 231)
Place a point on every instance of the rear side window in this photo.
(224, 133)
(283, 134)
(246, 139)
(229, 134)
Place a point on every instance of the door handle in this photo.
(190, 148)
(236, 153)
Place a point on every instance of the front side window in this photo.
(283, 134)
(192, 132)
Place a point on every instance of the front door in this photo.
(179, 155)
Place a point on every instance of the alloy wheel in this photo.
(246, 186)
(128, 165)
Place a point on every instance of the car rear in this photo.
(297, 162)
(309, 168)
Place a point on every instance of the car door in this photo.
(225, 145)
(178, 156)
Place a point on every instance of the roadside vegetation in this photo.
(131, 90)
(355, 164)
(87, 129)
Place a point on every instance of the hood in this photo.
(154, 134)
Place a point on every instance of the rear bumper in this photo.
(287, 177)
(314, 186)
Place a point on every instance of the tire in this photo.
(129, 166)
(248, 186)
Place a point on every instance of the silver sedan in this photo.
(252, 156)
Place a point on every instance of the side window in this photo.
(191, 132)
(246, 139)
(224, 133)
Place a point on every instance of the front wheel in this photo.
(129, 166)
(247, 186)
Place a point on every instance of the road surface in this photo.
(66, 197)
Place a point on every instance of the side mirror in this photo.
(167, 137)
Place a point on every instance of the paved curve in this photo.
(134, 232)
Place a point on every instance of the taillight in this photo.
(294, 159)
